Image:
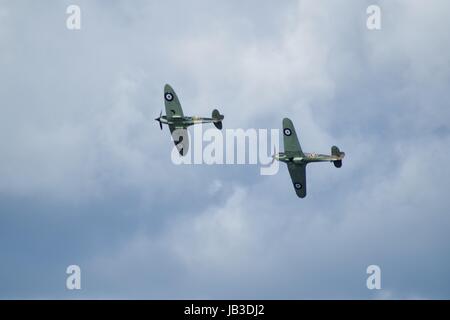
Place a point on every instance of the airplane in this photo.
(178, 123)
(296, 160)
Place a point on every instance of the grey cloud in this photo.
(86, 175)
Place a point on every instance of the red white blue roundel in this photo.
(168, 96)
(287, 131)
(298, 186)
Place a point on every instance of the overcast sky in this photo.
(86, 176)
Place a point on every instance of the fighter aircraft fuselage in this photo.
(307, 158)
(186, 121)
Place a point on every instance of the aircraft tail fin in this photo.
(336, 152)
(217, 119)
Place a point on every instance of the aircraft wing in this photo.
(291, 144)
(298, 177)
(180, 138)
(173, 106)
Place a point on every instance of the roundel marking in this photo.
(168, 96)
(287, 132)
(298, 186)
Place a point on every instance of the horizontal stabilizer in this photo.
(336, 152)
(217, 117)
(338, 163)
(339, 154)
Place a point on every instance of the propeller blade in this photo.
(274, 154)
(159, 120)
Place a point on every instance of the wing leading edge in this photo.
(173, 106)
(291, 144)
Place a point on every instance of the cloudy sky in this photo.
(86, 176)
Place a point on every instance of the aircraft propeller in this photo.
(274, 154)
(159, 120)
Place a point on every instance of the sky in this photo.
(86, 176)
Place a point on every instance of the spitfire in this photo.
(178, 123)
(296, 160)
